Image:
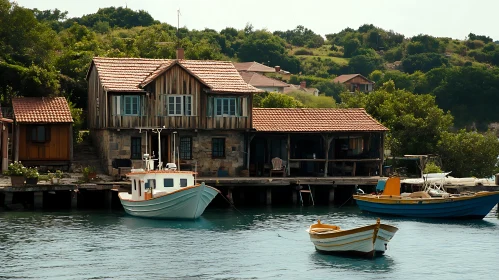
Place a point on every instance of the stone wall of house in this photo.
(202, 159)
(99, 138)
(113, 144)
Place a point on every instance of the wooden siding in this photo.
(227, 122)
(97, 97)
(154, 111)
(58, 148)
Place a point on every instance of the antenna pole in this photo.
(178, 28)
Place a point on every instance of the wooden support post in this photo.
(381, 153)
(229, 196)
(250, 138)
(38, 200)
(74, 200)
(5, 146)
(288, 168)
(241, 195)
(109, 198)
(295, 196)
(70, 146)
(331, 194)
(269, 196)
(7, 198)
(327, 142)
(7, 202)
(16, 142)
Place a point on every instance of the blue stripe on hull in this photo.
(473, 208)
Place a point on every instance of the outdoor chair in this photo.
(277, 167)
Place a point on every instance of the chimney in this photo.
(180, 53)
(303, 84)
(277, 69)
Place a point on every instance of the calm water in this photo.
(266, 243)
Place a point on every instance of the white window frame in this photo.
(182, 104)
(225, 104)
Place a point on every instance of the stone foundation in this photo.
(202, 159)
(113, 144)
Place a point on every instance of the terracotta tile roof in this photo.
(259, 80)
(253, 67)
(131, 74)
(345, 78)
(125, 74)
(314, 120)
(41, 110)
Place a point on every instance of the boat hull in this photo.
(365, 241)
(475, 206)
(188, 203)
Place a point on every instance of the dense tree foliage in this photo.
(278, 100)
(415, 121)
(301, 36)
(469, 154)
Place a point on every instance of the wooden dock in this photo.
(288, 181)
(238, 190)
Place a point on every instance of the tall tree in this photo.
(415, 121)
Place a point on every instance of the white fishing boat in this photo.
(365, 241)
(165, 193)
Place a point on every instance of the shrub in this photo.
(31, 172)
(432, 167)
(303, 52)
(15, 169)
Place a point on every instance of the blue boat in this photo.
(422, 205)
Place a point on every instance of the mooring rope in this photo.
(345, 202)
(232, 204)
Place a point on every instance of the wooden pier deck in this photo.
(287, 181)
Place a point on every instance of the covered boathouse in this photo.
(315, 142)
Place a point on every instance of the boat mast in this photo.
(158, 130)
(160, 163)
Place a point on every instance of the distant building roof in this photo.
(132, 74)
(292, 88)
(253, 67)
(314, 120)
(259, 80)
(41, 110)
(345, 78)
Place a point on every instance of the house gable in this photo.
(352, 79)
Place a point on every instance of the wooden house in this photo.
(201, 109)
(355, 82)
(316, 142)
(43, 128)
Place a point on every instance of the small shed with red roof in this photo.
(43, 131)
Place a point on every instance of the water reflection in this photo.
(379, 264)
(483, 223)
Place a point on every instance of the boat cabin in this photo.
(146, 184)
